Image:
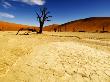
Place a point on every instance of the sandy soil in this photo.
(54, 57)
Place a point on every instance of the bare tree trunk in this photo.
(19, 30)
(40, 31)
(103, 29)
(41, 27)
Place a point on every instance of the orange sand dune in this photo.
(50, 27)
(93, 24)
(5, 26)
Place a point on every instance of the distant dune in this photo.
(5, 26)
(50, 27)
(92, 24)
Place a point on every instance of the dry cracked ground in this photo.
(54, 57)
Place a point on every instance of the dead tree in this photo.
(26, 29)
(104, 26)
(42, 17)
(55, 29)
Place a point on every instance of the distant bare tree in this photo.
(42, 17)
(55, 29)
(104, 25)
(26, 29)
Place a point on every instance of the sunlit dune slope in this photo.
(93, 24)
(5, 26)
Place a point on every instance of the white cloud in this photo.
(32, 2)
(38, 2)
(7, 15)
(6, 5)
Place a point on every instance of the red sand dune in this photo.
(5, 26)
(50, 27)
(93, 24)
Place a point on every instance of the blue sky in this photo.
(23, 11)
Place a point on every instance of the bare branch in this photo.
(48, 20)
(47, 13)
(38, 17)
(49, 16)
(37, 14)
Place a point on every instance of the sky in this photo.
(62, 11)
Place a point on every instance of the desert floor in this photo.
(54, 57)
